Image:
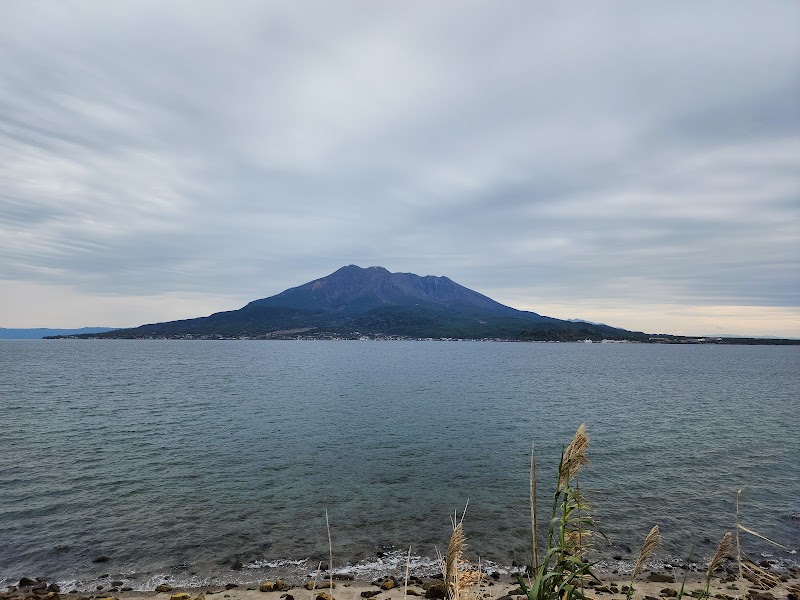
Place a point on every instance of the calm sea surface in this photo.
(181, 458)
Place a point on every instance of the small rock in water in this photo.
(102, 559)
(26, 582)
(237, 566)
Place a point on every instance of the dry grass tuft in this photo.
(574, 457)
(723, 550)
(455, 550)
(650, 543)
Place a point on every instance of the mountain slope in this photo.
(353, 301)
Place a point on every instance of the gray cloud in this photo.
(640, 154)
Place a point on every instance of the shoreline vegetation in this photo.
(557, 568)
(356, 336)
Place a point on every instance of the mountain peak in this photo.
(353, 289)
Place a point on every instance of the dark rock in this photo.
(324, 596)
(164, 587)
(127, 588)
(267, 586)
(756, 595)
(287, 597)
(26, 582)
(791, 596)
(370, 593)
(282, 586)
(660, 578)
(651, 598)
(765, 564)
(230, 586)
(237, 566)
(436, 591)
(343, 577)
(494, 575)
(617, 557)
(669, 593)
(102, 559)
(105, 576)
(39, 585)
(54, 587)
(389, 584)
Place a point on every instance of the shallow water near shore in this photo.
(185, 458)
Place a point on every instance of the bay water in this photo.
(217, 461)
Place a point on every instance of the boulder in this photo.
(230, 586)
(669, 593)
(26, 582)
(370, 593)
(660, 578)
(179, 596)
(267, 586)
(163, 588)
(324, 596)
(389, 584)
(436, 591)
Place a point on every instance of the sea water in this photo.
(217, 461)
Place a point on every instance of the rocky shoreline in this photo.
(653, 585)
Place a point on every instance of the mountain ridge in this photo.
(374, 303)
(356, 302)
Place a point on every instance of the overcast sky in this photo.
(635, 163)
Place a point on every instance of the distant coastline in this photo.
(38, 333)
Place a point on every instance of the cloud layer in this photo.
(624, 155)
